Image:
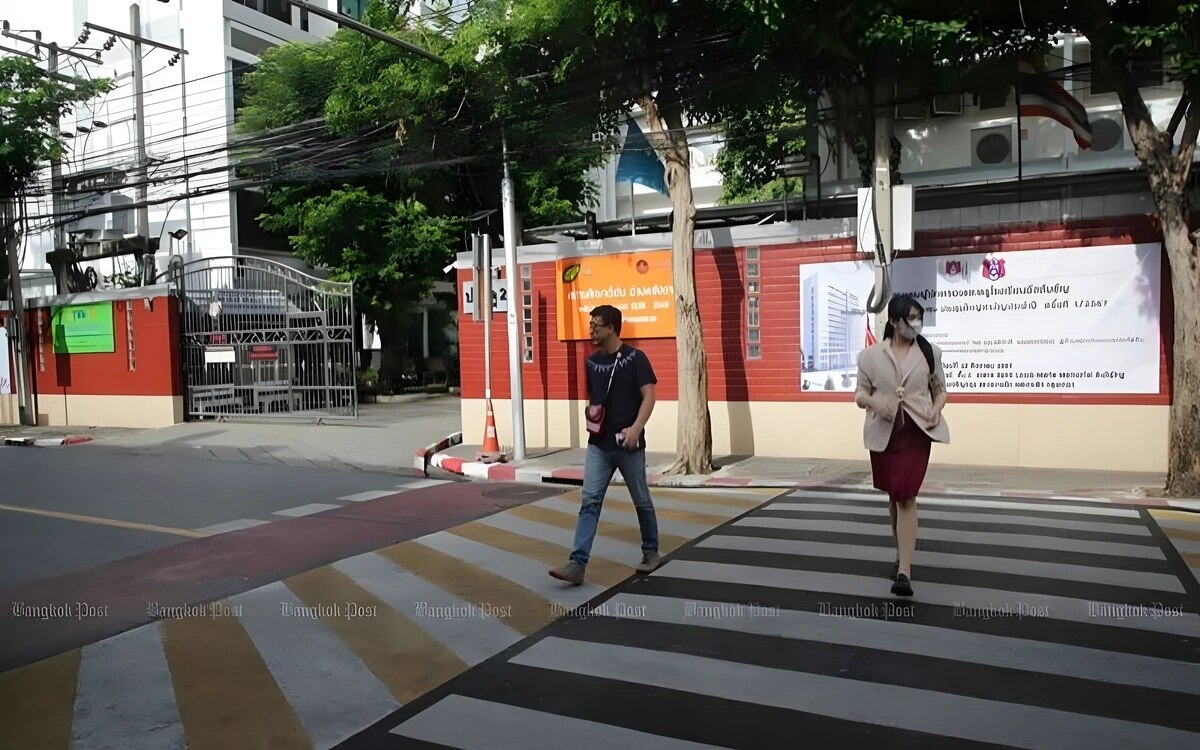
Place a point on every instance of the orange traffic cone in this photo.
(490, 451)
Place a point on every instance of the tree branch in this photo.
(1187, 145)
(1185, 103)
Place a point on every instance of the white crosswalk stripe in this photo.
(1055, 624)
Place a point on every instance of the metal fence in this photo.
(261, 339)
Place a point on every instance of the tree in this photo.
(419, 142)
(1118, 31)
(31, 106)
(672, 60)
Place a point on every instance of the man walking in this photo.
(620, 384)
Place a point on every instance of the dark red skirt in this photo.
(900, 469)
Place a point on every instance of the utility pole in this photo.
(187, 185)
(882, 196)
(517, 388)
(10, 211)
(56, 180)
(142, 224)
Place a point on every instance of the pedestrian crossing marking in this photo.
(471, 583)
(624, 532)
(602, 571)
(403, 656)
(37, 702)
(225, 693)
(258, 679)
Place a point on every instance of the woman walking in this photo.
(902, 386)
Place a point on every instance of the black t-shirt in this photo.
(625, 399)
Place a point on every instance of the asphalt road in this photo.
(64, 509)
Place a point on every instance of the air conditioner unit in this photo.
(992, 146)
(1108, 132)
(948, 104)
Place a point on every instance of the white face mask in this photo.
(916, 327)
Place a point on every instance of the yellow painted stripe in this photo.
(699, 497)
(1188, 534)
(530, 612)
(106, 521)
(404, 657)
(600, 570)
(1176, 515)
(664, 514)
(226, 695)
(37, 704)
(620, 532)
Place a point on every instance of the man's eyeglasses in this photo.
(597, 326)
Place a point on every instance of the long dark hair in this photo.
(898, 309)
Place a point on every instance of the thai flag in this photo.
(1041, 96)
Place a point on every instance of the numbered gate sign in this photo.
(499, 297)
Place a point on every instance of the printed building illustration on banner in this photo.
(638, 284)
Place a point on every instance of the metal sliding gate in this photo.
(261, 339)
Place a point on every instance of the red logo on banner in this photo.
(993, 269)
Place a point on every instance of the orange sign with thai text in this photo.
(637, 284)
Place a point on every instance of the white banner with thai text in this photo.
(1082, 320)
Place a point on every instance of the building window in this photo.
(280, 10)
(753, 317)
(304, 19)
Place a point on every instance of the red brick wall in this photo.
(557, 369)
(157, 369)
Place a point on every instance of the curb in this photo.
(422, 461)
(47, 442)
(482, 472)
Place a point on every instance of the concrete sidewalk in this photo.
(383, 438)
(565, 465)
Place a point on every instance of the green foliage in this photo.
(392, 249)
(31, 105)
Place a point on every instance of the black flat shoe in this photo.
(902, 586)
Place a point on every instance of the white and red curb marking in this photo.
(508, 473)
(424, 456)
(47, 442)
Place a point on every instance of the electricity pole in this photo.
(516, 388)
(142, 223)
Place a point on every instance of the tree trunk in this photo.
(694, 432)
(1183, 464)
(1167, 173)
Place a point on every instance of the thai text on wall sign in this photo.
(638, 284)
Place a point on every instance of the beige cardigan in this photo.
(880, 376)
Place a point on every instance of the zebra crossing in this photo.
(312, 660)
(1035, 624)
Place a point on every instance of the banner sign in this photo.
(638, 284)
(1058, 321)
(5, 378)
(83, 329)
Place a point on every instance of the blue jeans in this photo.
(598, 470)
